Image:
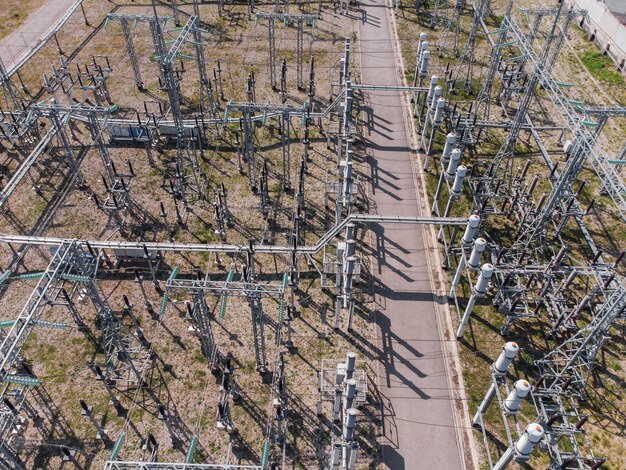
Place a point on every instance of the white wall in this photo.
(608, 31)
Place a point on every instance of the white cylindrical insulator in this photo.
(514, 400)
(457, 186)
(441, 103)
(509, 351)
(354, 452)
(350, 364)
(350, 231)
(350, 244)
(433, 83)
(455, 159)
(350, 393)
(337, 401)
(532, 435)
(447, 148)
(351, 388)
(349, 155)
(347, 171)
(479, 247)
(472, 225)
(424, 61)
(349, 265)
(436, 95)
(351, 417)
(347, 111)
(423, 46)
(423, 37)
(335, 456)
(350, 423)
(483, 280)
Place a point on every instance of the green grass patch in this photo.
(601, 67)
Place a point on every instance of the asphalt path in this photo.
(418, 421)
(27, 35)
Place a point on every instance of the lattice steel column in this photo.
(130, 48)
(299, 47)
(258, 331)
(287, 18)
(7, 86)
(550, 60)
(118, 344)
(272, 51)
(571, 361)
(174, 12)
(286, 150)
(207, 100)
(483, 99)
(507, 149)
(69, 153)
(468, 53)
(454, 21)
(96, 134)
(249, 153)
(202, 320)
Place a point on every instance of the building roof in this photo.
(618, 8)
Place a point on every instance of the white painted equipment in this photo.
(513, 402)
(457, 186)
(472, 224)
(479, 247)
(447, 148)
(509, 351)
(486, 271)
(455, 159)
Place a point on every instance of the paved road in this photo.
(418, 420)
(32, 29)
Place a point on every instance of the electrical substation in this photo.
(312, 234)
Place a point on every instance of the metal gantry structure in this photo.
(345, 386)
(76, 264)
(70, 274)
(297, 20)
(534, 274)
